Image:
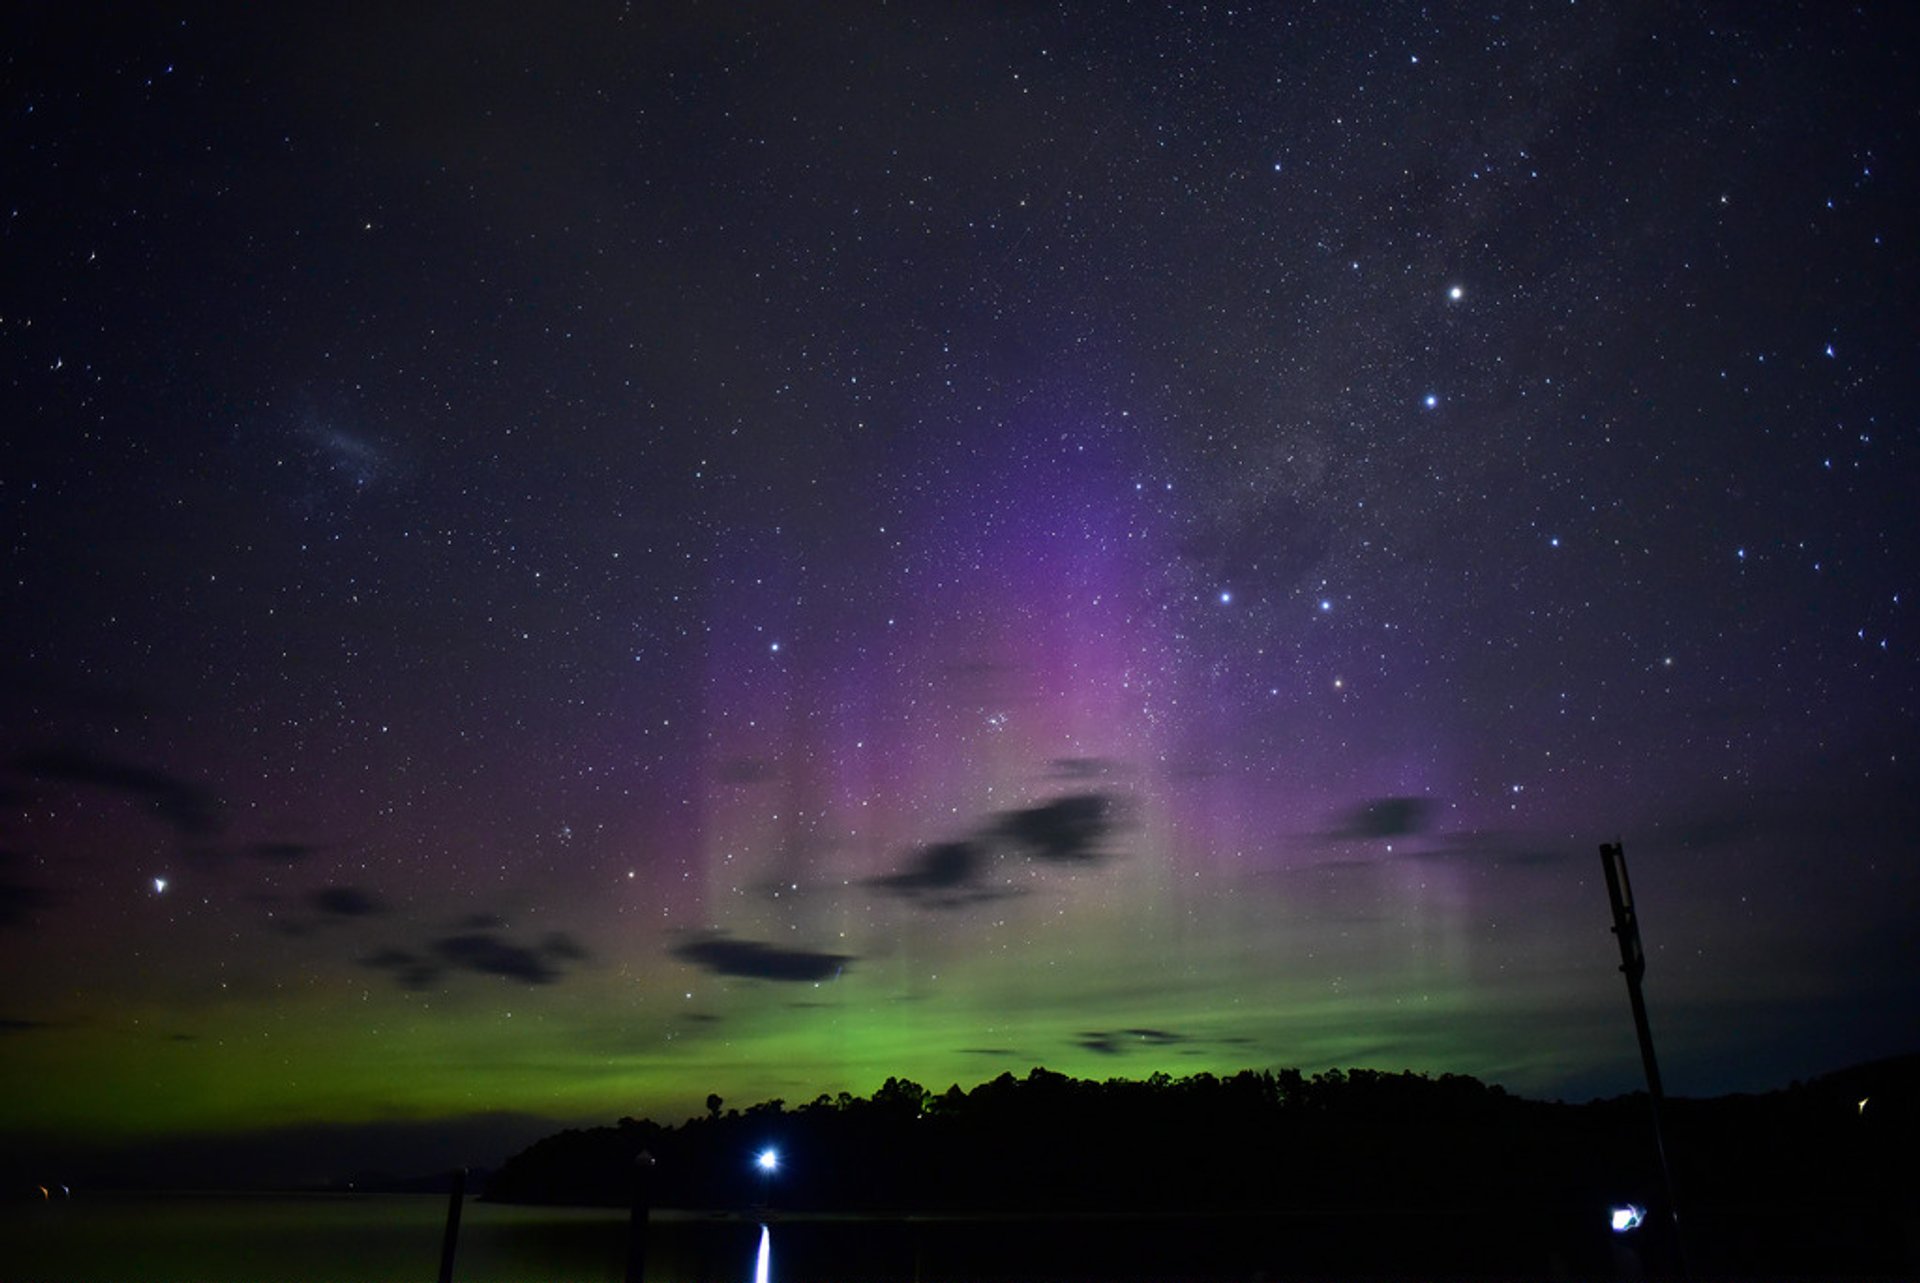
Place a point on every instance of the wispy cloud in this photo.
(189, 807)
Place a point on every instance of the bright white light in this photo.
(763, 1263)
(159, 886)
(1430, 401)
(1626, 1217)
(1456, 293)
(1226, 598)
(768, 1160)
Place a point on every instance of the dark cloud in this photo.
(1386, 817)
(481, 922)
(17, 1025)
(945, 875)
(1082, 768)
(190, 808)
(490, 955)
(409, 970)
(282, 852)
(20, 899)
(346, 902)
(758, 960)
(1066, 830)
(1108, 1042)
(483, 951)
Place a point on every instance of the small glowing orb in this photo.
(768, 1160)
(1456, 293)
(1626, 1217)
(1226, 598)
(159, 886)
(1430, 400)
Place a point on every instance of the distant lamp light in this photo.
(1626, 1217)
(768, 1162)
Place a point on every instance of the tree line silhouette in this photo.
(1253, 1142)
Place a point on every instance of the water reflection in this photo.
(763, 1263)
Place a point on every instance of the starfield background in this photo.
(563, 559)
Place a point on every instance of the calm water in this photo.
(303, 1239)
(375, 1238)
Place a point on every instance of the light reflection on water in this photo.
(763, 1264)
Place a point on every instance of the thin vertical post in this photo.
(637, 1214)
(1633, 965)
(451, 1239)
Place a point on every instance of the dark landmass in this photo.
(1819, 1171)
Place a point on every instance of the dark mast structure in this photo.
(1633, 964)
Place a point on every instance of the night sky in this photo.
(558, 559)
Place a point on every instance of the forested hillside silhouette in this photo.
(1256, 1141)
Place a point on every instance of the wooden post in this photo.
(451, 1238)
(637, 1217)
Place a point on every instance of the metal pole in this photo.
(1633, 964)
(452, 1237)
